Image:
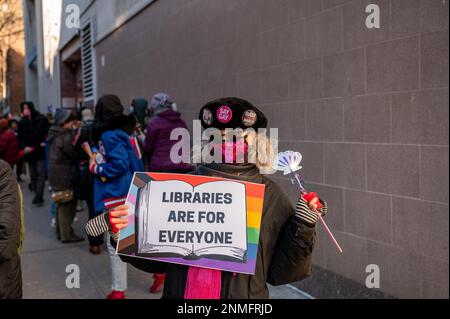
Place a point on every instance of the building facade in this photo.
(12, 51)
(367, 108)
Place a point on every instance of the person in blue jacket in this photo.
(113, 165)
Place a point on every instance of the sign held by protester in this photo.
(194, 220)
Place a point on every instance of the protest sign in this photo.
(193, 220)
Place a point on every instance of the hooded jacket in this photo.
(32, 132)
(10, 225)
(284, 250)
(63, 171)
(140, 107)
(118, 153)
(158, 144)
(119, 159)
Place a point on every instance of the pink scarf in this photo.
(203, 283)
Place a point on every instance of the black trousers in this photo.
(65, 213)
(85, 192)
(19, 168)
(99, 240)
(37, 174)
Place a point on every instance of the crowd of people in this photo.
(91, 156)
(53, 148)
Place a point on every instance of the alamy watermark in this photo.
(373, 19)
(73, 279)
(373, 279)
(73, 16)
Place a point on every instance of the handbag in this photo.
(62, 197)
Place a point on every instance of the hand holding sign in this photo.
(117, 218)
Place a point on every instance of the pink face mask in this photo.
(233, 151)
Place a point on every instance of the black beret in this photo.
(231, 112)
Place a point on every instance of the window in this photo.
(87, 63)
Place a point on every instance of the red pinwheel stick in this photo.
(302, 189)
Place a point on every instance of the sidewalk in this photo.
(45, 259)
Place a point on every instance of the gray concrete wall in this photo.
(367, 108)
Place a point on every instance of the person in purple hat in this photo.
(157, 141)
(158, 145)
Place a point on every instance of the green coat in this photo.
(10, 234)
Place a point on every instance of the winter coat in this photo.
(284, 251)
(9, 147)
(63, 173)
(10, 225)
(32, 132)
(158, 144)
(86, 179)
(113, 175)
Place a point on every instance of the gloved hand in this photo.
(308, 207)
(313, 200)
(111, 222)
(118, 218)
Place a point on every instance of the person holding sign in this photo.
(286, 235)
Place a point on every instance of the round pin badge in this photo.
(224, 114)
(249, 118)
(207, 116)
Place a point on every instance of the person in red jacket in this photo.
(9, 145)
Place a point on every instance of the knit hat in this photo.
(160, 100)
(61, 116)
(231, 112)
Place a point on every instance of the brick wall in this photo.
(12, 45)
(16, 79)
(367, 108)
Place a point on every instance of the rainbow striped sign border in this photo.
(254, 206)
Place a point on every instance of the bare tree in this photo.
(10, 25)
(10, 18)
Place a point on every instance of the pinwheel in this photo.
(289, 163)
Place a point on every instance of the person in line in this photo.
(139, 108)
(32, 133)
(287, 236)
(11, 234)
(113, 166)
(63, 173)
(86, 189)
(157, 148)
(9, 145)
(14, 126)
(157, 141)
